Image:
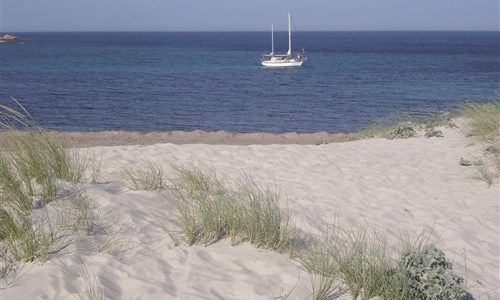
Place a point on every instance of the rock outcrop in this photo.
(8, 38)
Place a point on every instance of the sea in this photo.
(165, 81)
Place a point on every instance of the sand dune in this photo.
(392, 185)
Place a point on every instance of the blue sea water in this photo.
(163, 81)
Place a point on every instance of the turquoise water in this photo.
(162, 81)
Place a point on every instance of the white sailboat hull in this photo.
(277, 64)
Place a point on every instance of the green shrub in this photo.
(402, 131)
(429, 275)
(433, 132)
(493, 149)
(468, 163)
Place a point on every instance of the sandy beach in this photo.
(413, 185)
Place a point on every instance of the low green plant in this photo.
(493, 149)
(429, 275)
(402, 131)
(467, 163)
(433, 132)
(322, 141)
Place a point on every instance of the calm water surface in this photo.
(162, 81)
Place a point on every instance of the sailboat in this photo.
(283, 60)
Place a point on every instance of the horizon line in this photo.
(229, 31)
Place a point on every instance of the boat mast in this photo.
(272, 39)
(289, 36)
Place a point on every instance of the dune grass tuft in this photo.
(147, 176)
(485, 127)
(357, 258)
(485, 120)
(92, 288)
(361, 261)
(210, 209)
(31, 163)
(35, 170)
(26, 239)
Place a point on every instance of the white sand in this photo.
(393, 185)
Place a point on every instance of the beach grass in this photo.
(95, 169)
(31, 163)
(147, 176)
(76, 212)
(92, 288)
(360, 260)
(34, 170)
(485, 128)
(485, 121)
(357, 258)
(210, 209)
(27, 241)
